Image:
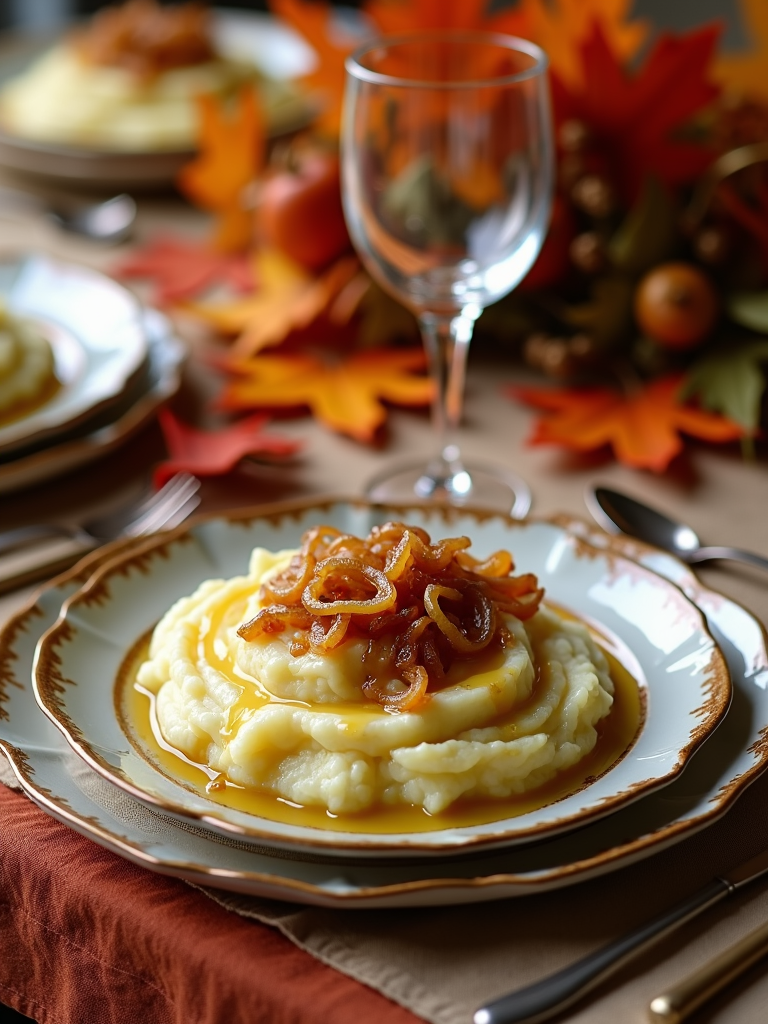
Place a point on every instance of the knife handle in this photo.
(546, 997)
(688, 995)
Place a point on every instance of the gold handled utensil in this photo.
(550, 995)
(692, 992)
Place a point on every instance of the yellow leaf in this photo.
(288, 299)
(346, 396)
(746, 73)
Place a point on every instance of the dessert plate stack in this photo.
(115, 362)
(699, 659)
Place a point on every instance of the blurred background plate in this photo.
(272, 47)
(159, 380)
(96, 331)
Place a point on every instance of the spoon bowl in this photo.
(109, 221)
(619, 513)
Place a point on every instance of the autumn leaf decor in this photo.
(231, 155)
(312, 19)
(657, 269)
(288, 299)
(181, 269)
(643, 428)
(215, 452)
(346, 395)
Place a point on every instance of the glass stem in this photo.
(446, 341)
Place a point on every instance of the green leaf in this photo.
(750, 309)
(732, 384)
(649, 234)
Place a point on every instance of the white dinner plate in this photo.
(158, 381)
(66, 788)
(270, 45)
(96, 330)
(658, 634)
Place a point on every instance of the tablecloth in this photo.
(87, 937)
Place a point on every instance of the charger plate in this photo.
(659, 635)
(67, 789)
(96, 330)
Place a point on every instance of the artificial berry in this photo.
(676, 304)
(587, 252)
(594, 195)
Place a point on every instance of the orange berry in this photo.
(677, 305)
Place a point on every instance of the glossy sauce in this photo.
(136, 712)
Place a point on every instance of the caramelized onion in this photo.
(498, 564)
(275, 618)
(321, 639)
(418, 605)
(287, 587)
(398, 558)
(402, 700)
(458, 638)
(382, 600)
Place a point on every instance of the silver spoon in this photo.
(617, 512)
(108, 221)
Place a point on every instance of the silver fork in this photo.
(163, 510)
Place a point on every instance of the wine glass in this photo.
(447, 174)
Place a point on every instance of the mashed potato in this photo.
(300, 724)
(129, 82)
(26, 363)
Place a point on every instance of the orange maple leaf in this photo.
(312, 20)
(642, 428)
(346, 395)
(288, 299)
(746, 72)
(561, 27)
(393, 17)
(231, 153)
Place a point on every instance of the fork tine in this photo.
(180, 514)
(174, 483)
(165, 504)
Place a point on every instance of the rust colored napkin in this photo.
(440, 963)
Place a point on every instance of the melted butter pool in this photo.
(136, 711)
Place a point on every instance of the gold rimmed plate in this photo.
(658, 634)
(66, 788)
(97, 334)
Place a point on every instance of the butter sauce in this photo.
(137, 714)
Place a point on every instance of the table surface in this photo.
(256, 968)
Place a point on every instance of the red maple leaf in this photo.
(181, 269)
(215, 452)
(635, 118)
(642, 428)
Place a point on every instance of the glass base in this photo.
(483, 485)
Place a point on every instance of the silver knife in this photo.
(552, 994)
